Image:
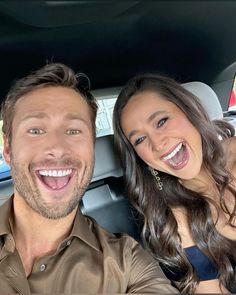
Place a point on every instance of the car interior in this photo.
(106, 200)
(191, 41)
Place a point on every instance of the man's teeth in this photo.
(173, 153)
(55, 173)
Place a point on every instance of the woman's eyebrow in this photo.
(157, 113)
(132, 133)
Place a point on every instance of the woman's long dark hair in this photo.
(160, 229)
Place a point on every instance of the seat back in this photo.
(207, 97)
(105, 199)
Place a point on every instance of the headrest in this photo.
(106, 161)
(207, 97)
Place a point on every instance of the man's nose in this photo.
(56, 145)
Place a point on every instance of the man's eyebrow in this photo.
(42, 115)
(73, 116)
(34, 115)
(149, 119)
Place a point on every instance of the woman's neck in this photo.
(202, 183)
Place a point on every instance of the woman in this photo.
(180, 171)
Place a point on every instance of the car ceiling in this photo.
(111, 41)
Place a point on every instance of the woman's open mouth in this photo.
(55, 179)
(178, 157)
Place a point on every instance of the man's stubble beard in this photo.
(32, 196)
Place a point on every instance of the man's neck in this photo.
(35, 235)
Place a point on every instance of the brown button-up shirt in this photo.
(90, 260)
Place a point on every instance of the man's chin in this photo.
(55, 212)
(52, 208)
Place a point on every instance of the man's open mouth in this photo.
(178, 157)
(55, 179)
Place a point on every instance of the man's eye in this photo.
(139, 140)
(72, 132)
(36, 131)
(161, 122)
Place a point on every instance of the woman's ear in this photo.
(6, 150)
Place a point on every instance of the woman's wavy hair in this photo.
(52, 74)
(160, 229)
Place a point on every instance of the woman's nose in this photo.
(158, 142)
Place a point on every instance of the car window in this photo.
(232, 99)
(104, 117)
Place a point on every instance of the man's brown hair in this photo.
(53, 74)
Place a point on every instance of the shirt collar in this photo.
(5, 213)
(83, 229)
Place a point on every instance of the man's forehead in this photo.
(50, 92)
(49, 104)
(54, 97)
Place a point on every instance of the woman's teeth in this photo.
(173, 153)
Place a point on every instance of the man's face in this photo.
(52, 150)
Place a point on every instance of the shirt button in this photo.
(42, 267)
(68, 243)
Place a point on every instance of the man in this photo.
(46, 244)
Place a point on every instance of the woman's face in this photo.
(162, 135)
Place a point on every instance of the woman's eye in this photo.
(72, 132)
(36, 131)
(139, 140)
(161, 122)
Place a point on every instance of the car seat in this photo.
(207, 97)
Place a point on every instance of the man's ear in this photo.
(6, 150)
